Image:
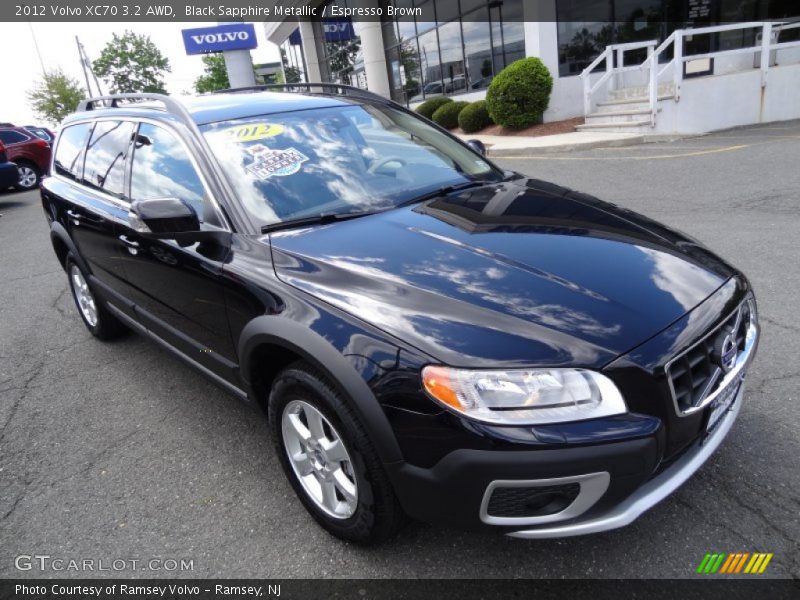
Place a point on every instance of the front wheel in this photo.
(329, 459)
(28, 177)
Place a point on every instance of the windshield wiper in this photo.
(442, 191)
(326, 218)
(322, 219)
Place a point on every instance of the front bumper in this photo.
(649, 494)
(616, 483)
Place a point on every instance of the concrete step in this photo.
(639, 126)
(618, 116)
(639, 91)
(634, 103)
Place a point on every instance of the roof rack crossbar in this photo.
(171, 105)
(311, 88)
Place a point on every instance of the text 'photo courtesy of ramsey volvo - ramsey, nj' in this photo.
(430, 336)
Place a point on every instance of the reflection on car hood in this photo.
(522, 272)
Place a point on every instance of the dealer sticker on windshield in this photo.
(269, 162)
(254, 131)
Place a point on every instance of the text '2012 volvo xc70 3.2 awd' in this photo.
(429, 335)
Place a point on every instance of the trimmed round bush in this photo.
(519, 94)
(474, 117)
(447, 115)
(427, 108)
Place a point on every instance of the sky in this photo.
(20, 67)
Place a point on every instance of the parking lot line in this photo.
(658, 156)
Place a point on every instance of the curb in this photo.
(494, 152)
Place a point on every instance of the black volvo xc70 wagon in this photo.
(430, 335)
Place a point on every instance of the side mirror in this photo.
(163, 216)
(478, 146)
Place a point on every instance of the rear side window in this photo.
(69, 152)
(162, 169)
(9, 136)
(106, 154)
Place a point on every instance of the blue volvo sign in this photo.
(335, 31)
(233, 36)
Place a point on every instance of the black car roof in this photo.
(210, 108)
(223, 107)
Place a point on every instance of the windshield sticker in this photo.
(254, 131)
(269, 162)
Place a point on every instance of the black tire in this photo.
(378, 515)
(106, 326)
(30, 183)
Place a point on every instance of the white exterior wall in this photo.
(375, 67)
(724, 101)
(313, 72)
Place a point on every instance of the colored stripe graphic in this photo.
(702, 567)
(740, 564)
(735, 563)
(765, 563)
(718, 562)
(726, 567)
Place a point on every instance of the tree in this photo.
(55, 96)
(132, 63)
(342, 58)
(292, 75)
(215, 75)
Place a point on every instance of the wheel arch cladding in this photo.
(63, 245)
(313, 348)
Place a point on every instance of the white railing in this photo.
(769, 42)
(611, 70)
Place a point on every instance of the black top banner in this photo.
(378, 10)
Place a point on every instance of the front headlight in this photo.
(524, 397)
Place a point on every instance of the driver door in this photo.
(177, 289)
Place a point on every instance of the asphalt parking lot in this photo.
(120, 451)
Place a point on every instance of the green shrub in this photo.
(519, 94)
(447, 115)
(427, 108)
(474, 117)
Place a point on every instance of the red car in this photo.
(30, 153)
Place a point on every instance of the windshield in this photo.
(338, 160)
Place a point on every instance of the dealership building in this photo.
(455, 47)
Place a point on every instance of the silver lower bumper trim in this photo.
(651, 493)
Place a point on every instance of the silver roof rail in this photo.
(171, 105)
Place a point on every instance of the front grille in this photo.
(697, 373)
(531, 501)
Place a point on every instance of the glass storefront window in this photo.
(478, 50)
(293, 60)
(451, 48)
(454, 47)
(586, 27)
(341, 49)
(432, 84)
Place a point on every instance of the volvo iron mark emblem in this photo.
(727, 351)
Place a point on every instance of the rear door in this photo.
(178, 290)
(90, 200)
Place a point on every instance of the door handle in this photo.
(133, 247)
(76, 217)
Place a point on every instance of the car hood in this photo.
(521, 273)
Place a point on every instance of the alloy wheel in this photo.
(27, 176)
(83, 295)
(320, 459)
